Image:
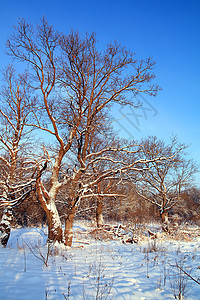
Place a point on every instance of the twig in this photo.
(186, 273)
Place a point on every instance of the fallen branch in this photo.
(81, 242)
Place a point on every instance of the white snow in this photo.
(94, 269)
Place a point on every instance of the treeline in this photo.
(130, 210)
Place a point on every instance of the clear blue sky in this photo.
(169, 31)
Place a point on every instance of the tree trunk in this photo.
(55, 233)
(69, 224)
(164, 213)
(165, 221)
(5, 226)
(99, 214)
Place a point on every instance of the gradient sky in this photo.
(169, 31)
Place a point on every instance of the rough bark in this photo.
(5, 226)
(54, 224)
(99, 213)
(55, 232)
(68, 234)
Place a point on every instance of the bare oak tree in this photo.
(76, 85)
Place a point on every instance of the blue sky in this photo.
(169, 31)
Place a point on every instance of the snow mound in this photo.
(21, 237)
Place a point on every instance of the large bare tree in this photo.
(76, 85)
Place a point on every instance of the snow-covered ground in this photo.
(150, 269)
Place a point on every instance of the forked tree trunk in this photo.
(99, 213)
(5, 226)
(69, 220)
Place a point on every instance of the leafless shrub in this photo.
(179, 281)
(102, 286)
(37, 252)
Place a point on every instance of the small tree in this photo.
(161, 181)
(15, 163)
